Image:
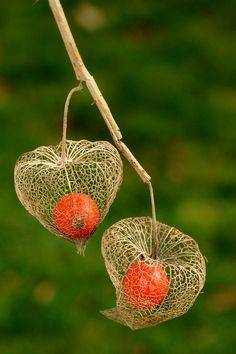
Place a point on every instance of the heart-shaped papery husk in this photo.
(130, 241)
(41, 179)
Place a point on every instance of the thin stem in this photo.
(83, 75)
(65, 119)
(76, 60)
(154, 223)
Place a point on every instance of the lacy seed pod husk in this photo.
(178, 268)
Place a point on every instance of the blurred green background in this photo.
(167, 70)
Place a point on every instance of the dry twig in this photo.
(83, 75)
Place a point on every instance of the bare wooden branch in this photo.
(83, 75)
(80, 71)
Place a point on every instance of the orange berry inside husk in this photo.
(145, 285)
(76, 215)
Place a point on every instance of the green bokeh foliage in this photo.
(167, 70)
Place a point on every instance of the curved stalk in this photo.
(83, 75)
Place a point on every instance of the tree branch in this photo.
(83, 75)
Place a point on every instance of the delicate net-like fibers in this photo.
(178, 269)
(46, 186)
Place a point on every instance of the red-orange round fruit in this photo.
(145, 285)
(76, 215)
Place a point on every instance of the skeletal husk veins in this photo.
(42, 179)
(130, 241)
